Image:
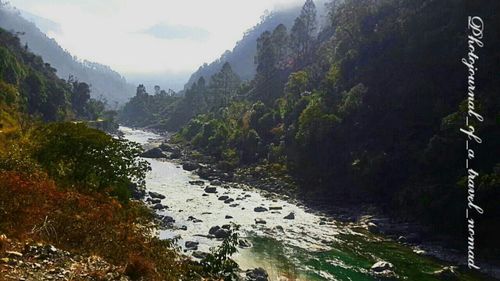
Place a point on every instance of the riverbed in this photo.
(311, 246)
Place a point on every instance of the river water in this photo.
(309, 247)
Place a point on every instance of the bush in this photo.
(77, 156)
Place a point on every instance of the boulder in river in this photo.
(191, 245)
(275, 208)
(156, 195)
(199, 255)
(260, 209)
(290, 216)
(447, 273)
(228, 217)
(166, 147)
(229, 200)
(243, 243)
(159, 206)
(211, 189)
(154, 153)
(213, 229)
(257, 274)
(260, 221)
(190, 166)
(154, 200)
(381, 266)
(221, 233)
(175, 154)
(223, 197)
(197, 182)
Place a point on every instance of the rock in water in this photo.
(243, 243)
(290, 216)
(221, 233)
(447, 273)
(381, 266)
(211, 189)
(260, 221)
(223, 197)
(190, 166)
(257, 274)
(156, 195)
(260, 209)
(191, 245)
(213, 229)
(154, 153)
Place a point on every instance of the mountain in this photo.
(106, 83)
(242, 56)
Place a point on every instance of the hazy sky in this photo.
(150, 36)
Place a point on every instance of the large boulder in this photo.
(136, 192)
(257, 274)
(154, 153)
(259, 209)
(213, 229)
(211, 189)
(166, 147)
(221, 233)
(190, 166)
(156, 195)
(381, 266)
(191, 245)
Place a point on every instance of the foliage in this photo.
(81, 157)
(218, 263)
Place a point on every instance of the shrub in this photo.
(78, 156)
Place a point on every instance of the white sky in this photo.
(115, 32)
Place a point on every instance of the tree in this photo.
(223, 86)
(303, 32)
(80, 95)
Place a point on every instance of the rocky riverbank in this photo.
(279, 185)
(30, 260)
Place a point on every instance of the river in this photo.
(309, 247)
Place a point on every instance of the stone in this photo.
(166, 147)
(290, 216)
(372, 227)
(159, 206)
(229, 200)
(199, 254)
(243, 243)
(275, 208)
(228, 217)
(223, 197)
(211, 189)
(154, 200)
(156, 195)
(381, 266)
(260, 209)
(153, 153)
(221, 233)
(191, 245)
(190, 166)
(197, 182)
(260, 221)
(447, 273)
(257, 274)
(213, 229)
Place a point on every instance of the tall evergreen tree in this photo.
(303, 32)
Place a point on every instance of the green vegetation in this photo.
(367, 108)
(67, 184)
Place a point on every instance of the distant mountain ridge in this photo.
(242, 56)
(106, 83)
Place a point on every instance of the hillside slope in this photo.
(105, 82)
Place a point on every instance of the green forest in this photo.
(350, 104)
(367, 108)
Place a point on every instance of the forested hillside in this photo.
(367, 108)
(105, 83)
(65, 187)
